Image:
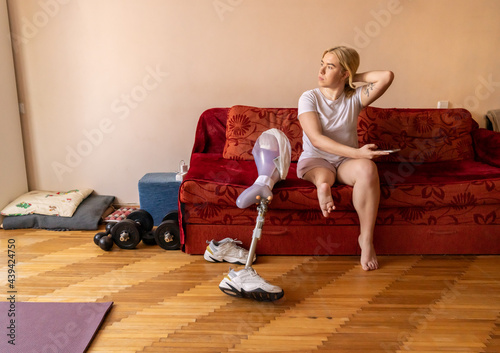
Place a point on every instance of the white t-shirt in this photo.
(338, 118)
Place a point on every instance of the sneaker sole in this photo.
(209, 258)
(259, 295)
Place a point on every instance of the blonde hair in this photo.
(349, 61)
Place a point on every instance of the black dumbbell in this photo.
(128, 233)
(139, 226)
(149, 238)
(104, 239)
(167, 234)
(106, 243)
(125, 234)
(143, 219)
(145, 223)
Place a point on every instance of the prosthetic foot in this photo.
(272, 153)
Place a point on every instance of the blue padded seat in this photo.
(158, 194)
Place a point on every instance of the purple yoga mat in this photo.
(49, 327)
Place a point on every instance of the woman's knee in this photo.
(319, 176)
(360, 170)
(368, 171)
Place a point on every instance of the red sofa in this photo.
(439, 195)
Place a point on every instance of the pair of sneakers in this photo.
(245, 283)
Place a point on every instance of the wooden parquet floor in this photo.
(168, 301)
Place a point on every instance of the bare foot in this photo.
(368, 257)
(325, 199)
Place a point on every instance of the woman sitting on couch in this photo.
(328, 116)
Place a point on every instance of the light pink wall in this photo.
(113, 88)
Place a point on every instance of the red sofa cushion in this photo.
(218, 181)
(462, 199)
(245, 124)
(423, 135)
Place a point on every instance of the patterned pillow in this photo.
(245, 124)
(50, 203)
(120, 214)
(423, 135)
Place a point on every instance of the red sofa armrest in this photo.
(487, 146)
(211, 131)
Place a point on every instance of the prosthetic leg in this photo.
(272, 153)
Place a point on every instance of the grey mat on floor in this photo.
(49, 327)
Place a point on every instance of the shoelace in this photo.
(236, 250)
(249, 271)
(252, 273)
(236, 241)
(242, 251)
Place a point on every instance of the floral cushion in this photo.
(431, 135)
(50, 203)
(245, 124)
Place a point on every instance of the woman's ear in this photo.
(346, 75)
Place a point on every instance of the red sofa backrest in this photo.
(423, 135)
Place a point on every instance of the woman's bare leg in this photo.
(362, 175)
(323, 179)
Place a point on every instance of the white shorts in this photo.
(307, 164)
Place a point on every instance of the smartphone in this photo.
(391, 151)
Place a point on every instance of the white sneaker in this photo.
(247, 283)
(226, 250)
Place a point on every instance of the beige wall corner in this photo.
(13, 181)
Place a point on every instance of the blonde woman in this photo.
(328, 116)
